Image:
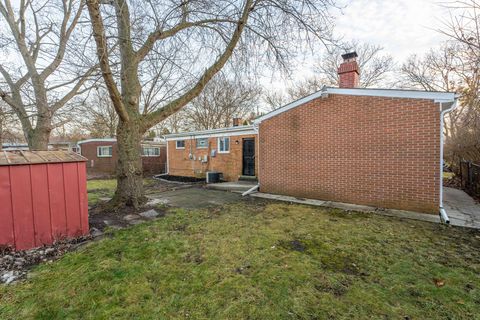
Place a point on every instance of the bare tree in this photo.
(98, 114)
(189, 42)
(50, 69)
(373, 63)
(6, 119)
(454, 67)
(220, 102)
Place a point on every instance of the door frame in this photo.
(243, 156)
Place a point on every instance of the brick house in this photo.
(230, 151)
(376, 147)
(102, 156)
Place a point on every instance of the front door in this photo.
(248, 157)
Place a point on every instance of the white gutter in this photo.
(443, 213)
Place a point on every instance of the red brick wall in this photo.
(382, 152)
(230, 164)
(155, 165)
(102, 165)
(108, 165)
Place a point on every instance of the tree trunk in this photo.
(1, 132)
(38, 139)
(129, 166)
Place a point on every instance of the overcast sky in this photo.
(402, 27)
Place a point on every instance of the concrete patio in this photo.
(462, 209)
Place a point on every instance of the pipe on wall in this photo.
(443, 212)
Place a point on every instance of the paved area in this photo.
(352, 207)
(238, 186)
(196, 197)
(461, 208)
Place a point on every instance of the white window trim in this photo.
(196, 145)
(151, 155)
(176, 145)
(218, 144)
(106, 155)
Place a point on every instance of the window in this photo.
(150, 151)
(202, 143)
(104, 151)
(180, 144)
(224, 145)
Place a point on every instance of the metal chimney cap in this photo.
(349, 55)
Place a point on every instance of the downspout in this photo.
(167, 169)
(443, 213)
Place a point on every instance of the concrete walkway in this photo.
(352, 207)
(462, 209)
(237, 186)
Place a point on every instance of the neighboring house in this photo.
(376, 147)
(231, 151)
(102, 156)
(61, 146)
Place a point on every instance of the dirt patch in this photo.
(337, 288)
(180, 179)
(100, 218)
(294, 245)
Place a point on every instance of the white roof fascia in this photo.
(97, 140)
(393, 93)
(387, 93)
(222, 132)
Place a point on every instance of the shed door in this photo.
(248, 157)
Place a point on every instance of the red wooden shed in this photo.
(43, 197)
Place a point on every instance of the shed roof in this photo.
(35, 157)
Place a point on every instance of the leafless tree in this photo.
(220, 102)
(375, 67)
(188, 42)
(7, 124)
(454, 67)
(43, 65)
(98, 115)
(373, 63)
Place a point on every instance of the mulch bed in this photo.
(14, 265)
(180, 179)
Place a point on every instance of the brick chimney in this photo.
(237, 122)
(348, 72)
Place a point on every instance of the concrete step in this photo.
(239, 186)
(248, 178)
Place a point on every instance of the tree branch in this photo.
(102, 53)
(153, 118)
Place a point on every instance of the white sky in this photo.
(401, 27)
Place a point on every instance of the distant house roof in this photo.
(221, 132)
(443, 97)
(146, 142)
(98, 140)
(36, 157)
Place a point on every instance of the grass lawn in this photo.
(257, 260)
(100, 188)
(105, 188)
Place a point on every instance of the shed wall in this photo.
(41, 203)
